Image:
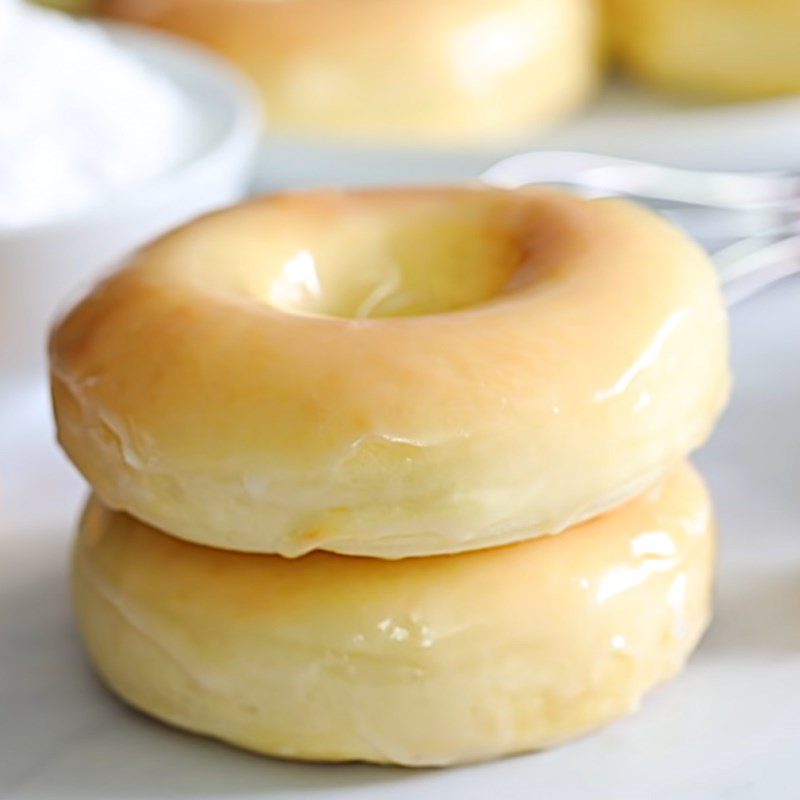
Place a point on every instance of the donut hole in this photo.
(412, 264)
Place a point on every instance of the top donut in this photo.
(392, 373)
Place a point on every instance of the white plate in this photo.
(727, 729)
(624, 121)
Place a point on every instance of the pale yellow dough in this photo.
(419, 662)
(392, 373)
(446, 72)
(726, 49)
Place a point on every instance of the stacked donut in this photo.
(395, 476)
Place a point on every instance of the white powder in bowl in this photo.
(80, 118)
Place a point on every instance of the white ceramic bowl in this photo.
(44, 265)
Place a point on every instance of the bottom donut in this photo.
(424, 661)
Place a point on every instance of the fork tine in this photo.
(761, 211)
(752, 264)
(606, 175)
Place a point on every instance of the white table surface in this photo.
(727, 729)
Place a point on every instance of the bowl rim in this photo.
(241, 134)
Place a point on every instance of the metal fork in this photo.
(749, 222)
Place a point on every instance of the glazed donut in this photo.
(727, 49)
(419, 662)
(392, 373)
(398, 71)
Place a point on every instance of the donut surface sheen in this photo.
(436, 72)
(392, 373)
(425, 661)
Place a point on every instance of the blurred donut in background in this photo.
(441, 72)
(714, 49)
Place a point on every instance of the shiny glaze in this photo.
(420, 661)
(560, 355)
